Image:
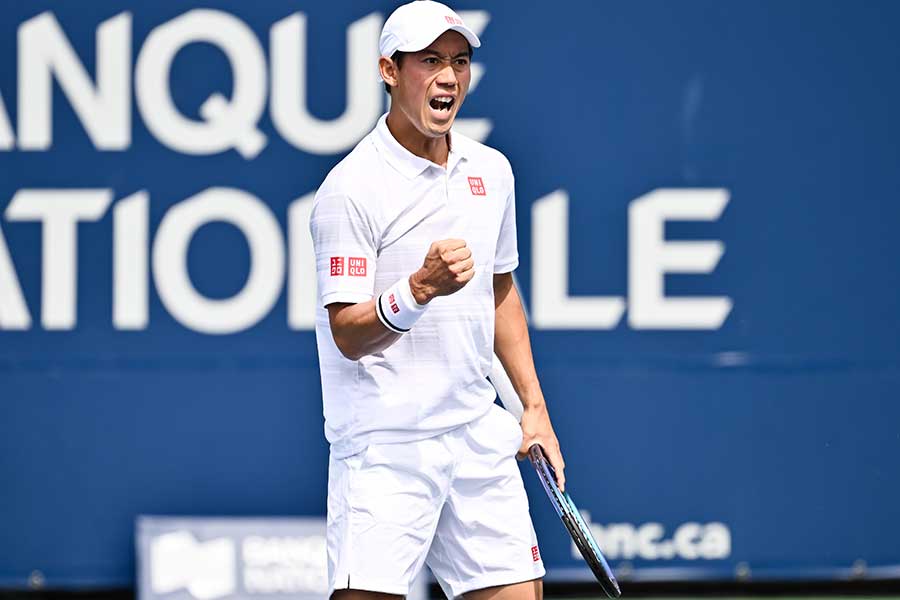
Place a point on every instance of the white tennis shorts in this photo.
(454, 501)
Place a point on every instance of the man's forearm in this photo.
(511, 342)
(513, 348)
(357, 331)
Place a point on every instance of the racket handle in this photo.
(505, 389)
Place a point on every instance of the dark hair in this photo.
(398, 57)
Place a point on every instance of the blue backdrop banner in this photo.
(706, 198)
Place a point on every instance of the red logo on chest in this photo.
(337, 266)
(535, 553)
(477, 186)
(356, 266)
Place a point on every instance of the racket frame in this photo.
(574, 523)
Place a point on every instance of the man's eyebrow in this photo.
(431, 52)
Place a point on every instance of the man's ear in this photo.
(388, 69)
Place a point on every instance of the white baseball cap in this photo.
(413, 26)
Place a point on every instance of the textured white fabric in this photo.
(373, 220)
(454, 502)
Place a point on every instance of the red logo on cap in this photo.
(453, 20)
(337, 266)
(535, 553)
(477, 186)
(356, 266)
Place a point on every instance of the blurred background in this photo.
(707, 212)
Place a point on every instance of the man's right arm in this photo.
(356, 328)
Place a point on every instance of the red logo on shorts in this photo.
(477, 186)
(535, 553)
(393, 302)
(356, 266)
(337, 265)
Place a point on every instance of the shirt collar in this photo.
(408, 163)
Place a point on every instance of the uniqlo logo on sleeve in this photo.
(356, 266)
(337, 266)
(535, 553)
(477, 186)
(393, 302)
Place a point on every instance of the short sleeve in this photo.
(345, 250)
(506, 258)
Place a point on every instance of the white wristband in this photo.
(397, 308)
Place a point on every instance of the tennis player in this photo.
(415, 240)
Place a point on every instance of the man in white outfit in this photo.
(415, 240)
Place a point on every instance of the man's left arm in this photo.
(513, 348)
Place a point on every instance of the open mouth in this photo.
(442, 102)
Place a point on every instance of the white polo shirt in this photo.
(374, 218)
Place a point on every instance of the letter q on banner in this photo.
(170, 252)
(229, 123)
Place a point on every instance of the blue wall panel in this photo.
(779, 427)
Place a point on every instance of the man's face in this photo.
(432, 84)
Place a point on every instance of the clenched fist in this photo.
(448, 267)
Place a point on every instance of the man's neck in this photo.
(434, 149)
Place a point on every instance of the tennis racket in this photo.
(562, 502)
(571, 518)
